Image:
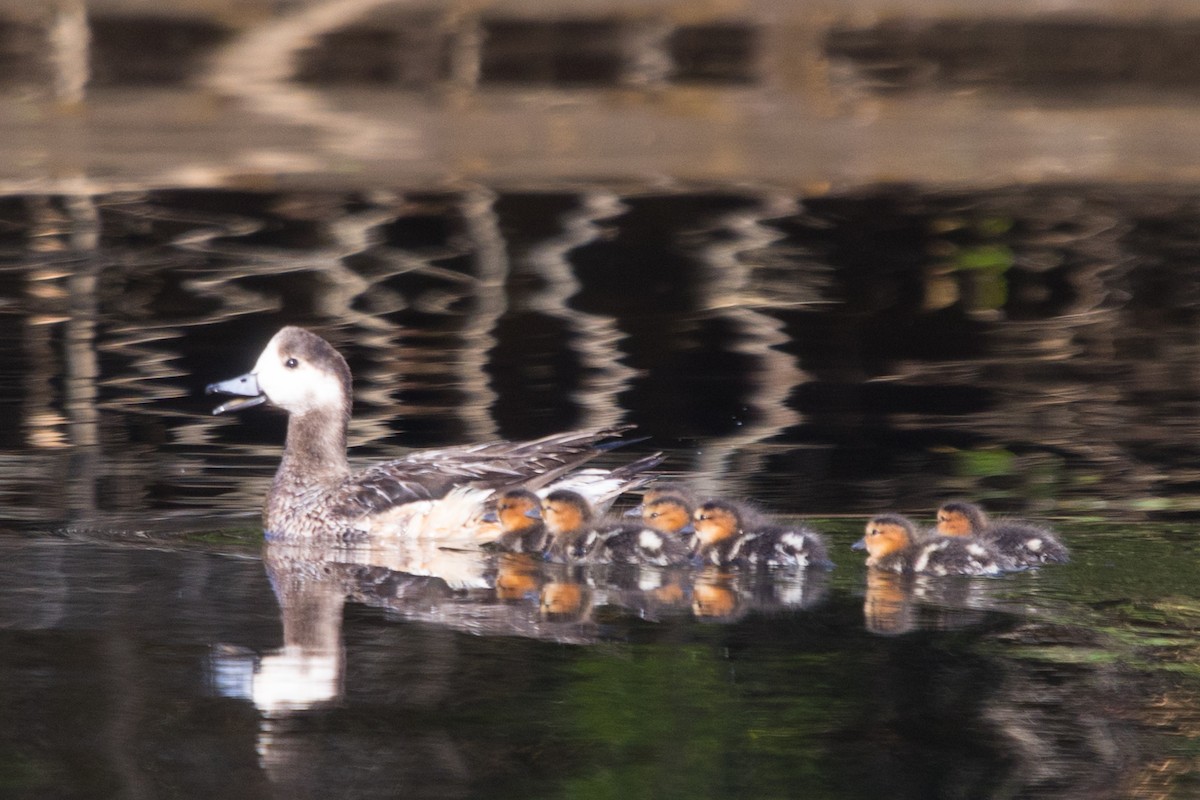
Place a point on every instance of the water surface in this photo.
(828, 357)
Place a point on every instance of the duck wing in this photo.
(430, 474)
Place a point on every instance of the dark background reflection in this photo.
(827, 355)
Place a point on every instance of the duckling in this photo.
(519, 512)
(315, 497)
(669, 514)
(892, 544)
(576, 536)
(663, 489)
(1019, 543)
(724, 538)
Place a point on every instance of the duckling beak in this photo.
(861, 544)
(245, 386)
(488, 516)
(534, 513)
(636, 511)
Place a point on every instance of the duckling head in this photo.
(957, 518)
(518, 509)
(885, 534)
(667, 514)
(298, 372)
(668, 489)
(715, 522)
(565, 512)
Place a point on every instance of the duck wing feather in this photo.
(430, 474)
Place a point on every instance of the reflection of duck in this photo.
(715, 596)
(316, 496)
(518, 577)
(891, 543)
(723, 538)
(888, 607)
(1019, 543)
(576, 536)
(519, 512)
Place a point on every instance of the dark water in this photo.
(829, 357)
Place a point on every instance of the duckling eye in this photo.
(291, 363)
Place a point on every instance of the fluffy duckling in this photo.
(892, 544)
(722, 537)
(316, 497)
(519, 512)
(576, 536)
(663, 489)
(1020, 543)
(671, 515)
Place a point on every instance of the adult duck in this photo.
(316, 497)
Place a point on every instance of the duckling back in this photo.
(797, 547)
(945, 555)
(1028, 545)
(635, 544)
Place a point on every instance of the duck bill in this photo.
(861, 544)
(246, 389)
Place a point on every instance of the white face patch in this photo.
(298, 389)
(1034, 544)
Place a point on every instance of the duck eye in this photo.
(291, 363)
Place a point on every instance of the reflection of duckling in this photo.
(576, 537)
(888, 607)
(722, 539)
(1019, 543)
(519, 513)
(891, 543)
(518, 577)
(714, 596)
(563, 601)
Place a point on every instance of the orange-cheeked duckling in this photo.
(892, 544)
(722, 538)
(1019, 543)
(671, 515)
(576, 535)
(519, 512)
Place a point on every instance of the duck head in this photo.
(667, 514)
(885, 535)
(516, 510)
(565, 512)
(957, 518)
(298, 372)
(715, 521)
